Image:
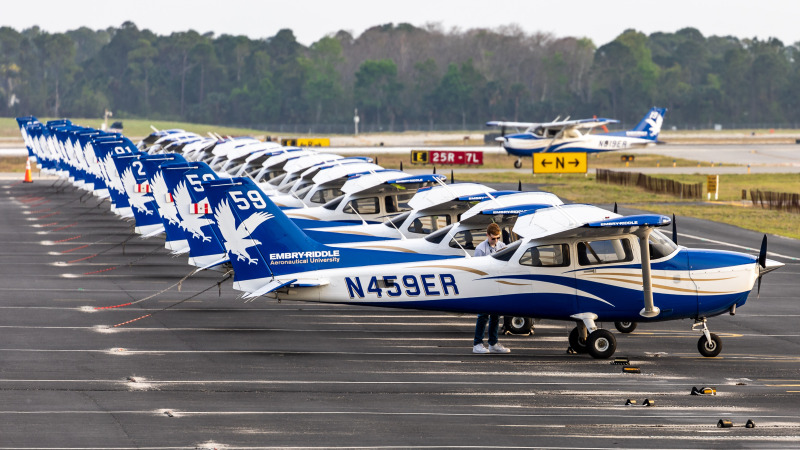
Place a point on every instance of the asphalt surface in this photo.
(208, 370)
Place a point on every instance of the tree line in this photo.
(397, 77)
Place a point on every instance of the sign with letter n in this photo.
(559, 163)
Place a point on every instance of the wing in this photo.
(582, 221)
(512, 124)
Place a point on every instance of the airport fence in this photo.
(782, 201)
(651, 184)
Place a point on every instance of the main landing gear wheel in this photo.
(601, 344)
(575, 341)
(625, 327)
(518, 164)
(711, 348)
(518, 325)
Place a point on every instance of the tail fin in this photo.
(650, 125)
(176, 237)
(184, 181)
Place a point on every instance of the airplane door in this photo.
(551, 287)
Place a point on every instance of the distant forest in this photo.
(398, 77)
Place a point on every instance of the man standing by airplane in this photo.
(491, 245)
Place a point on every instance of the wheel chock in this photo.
(750, 424)
(704, 391)
(724, 423)
(631, 369)
(621, 361)
(648, 402)
(630, 401)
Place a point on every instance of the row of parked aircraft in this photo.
(299, 224)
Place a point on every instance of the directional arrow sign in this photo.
(559, 163)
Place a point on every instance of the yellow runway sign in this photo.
(559, 163)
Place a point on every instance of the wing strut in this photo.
(650, 310)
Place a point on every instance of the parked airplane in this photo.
(576, 263)
(566, 136)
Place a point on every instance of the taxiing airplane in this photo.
(566, 136)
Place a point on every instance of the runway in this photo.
(207, 370)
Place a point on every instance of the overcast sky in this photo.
(312, 19)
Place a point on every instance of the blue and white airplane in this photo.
(566, 136)
(576, 263)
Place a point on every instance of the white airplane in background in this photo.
(566, 136)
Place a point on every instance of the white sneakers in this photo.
(496, 348)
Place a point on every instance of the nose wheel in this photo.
(709, 345)
(518, 164)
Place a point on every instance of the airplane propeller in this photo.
(519, 185)
(674, 231)
(503, 131)
(762, 262)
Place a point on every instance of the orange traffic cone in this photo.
(28, 176)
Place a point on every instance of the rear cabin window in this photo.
(366, 205)
(609, 251)
(397, 203)
(552, 255)
(325, 195)
(428, 224)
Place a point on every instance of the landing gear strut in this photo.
(710, 344)
(587, 338)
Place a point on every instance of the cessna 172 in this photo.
(566, 136)
(575, 263)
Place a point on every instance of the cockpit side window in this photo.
(551, 255)
(506, 253)
(365, 205)
(436, 237)
(604, 252)
(660, 246)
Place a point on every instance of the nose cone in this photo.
(770, 265)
